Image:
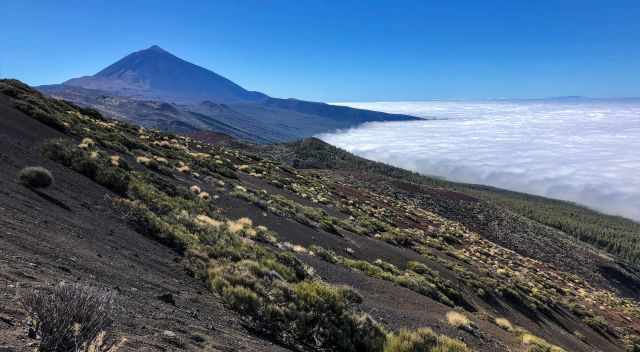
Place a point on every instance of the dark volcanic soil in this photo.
(69, 232)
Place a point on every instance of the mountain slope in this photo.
(156, 76)
(618, 236)
(69, 232)
(338, 258)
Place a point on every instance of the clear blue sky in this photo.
(344, 50)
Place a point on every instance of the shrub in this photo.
(48, 118)
(241, 299)
(537, 344)
(101, 171)
(324, 316)
(420, 268)
(504, 323)
(632, 343)
(310, 312)
(114, 179)
(597, 323)
(458, 320)
(35, 177)
(149, 224)
(70, 316)
(422, 340)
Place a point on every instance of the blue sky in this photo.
(344, 50)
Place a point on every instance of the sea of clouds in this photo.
(586, 151)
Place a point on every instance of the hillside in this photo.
(616, 235)
(141, 85)
(298, 246)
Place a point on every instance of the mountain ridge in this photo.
(155, 75)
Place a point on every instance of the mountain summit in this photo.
(154, 73)
(156, 89)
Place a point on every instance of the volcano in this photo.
(156, 74)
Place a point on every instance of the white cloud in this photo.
(587, 152)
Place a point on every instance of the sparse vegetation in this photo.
(262, 277)
(97, 168)
(35, 177)
(428, 284)
(614, 234)
(273, 290)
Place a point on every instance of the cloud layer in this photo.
(582, 151)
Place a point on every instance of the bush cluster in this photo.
(90, 164)
(274, 290)
(35, 177)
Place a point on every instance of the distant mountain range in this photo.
(156, 89)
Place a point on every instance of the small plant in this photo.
(71, 317)
(35, 177)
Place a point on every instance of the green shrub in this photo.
(597, 323)
(328, 226)
(48, 118)
(35, 177)
(419, 268)
(324, 315)
(308, 312)
(114, 179)
(98, 169)
(149, 224)
(241, 299)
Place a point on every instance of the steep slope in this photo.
(204, 100)
(70, 233)
(277, 246)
